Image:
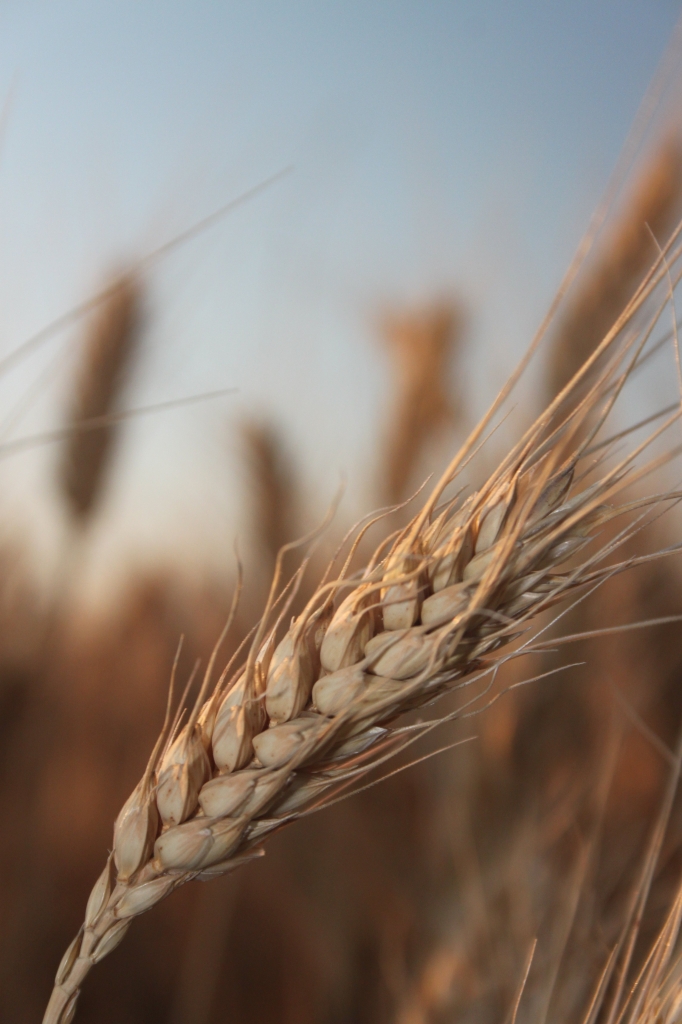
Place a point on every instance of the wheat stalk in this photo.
(306, 716)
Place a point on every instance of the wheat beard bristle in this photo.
(459, 583)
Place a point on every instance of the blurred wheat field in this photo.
(489, 883)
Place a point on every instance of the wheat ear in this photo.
(421, 344)
(105, 362)
(309, 716)
(273, 490)
(620, 266)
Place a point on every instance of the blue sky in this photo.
(437, 148)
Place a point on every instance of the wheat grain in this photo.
(338, 680)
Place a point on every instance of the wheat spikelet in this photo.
(612, 280)
(106, 357)
(308, 714)
(421, 344)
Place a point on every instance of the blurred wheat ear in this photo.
(105, 363)
(272, 490)
(649, 216)
(421, 344)
(611, 281)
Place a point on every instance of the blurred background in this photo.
(439, 150)
(440, 165)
